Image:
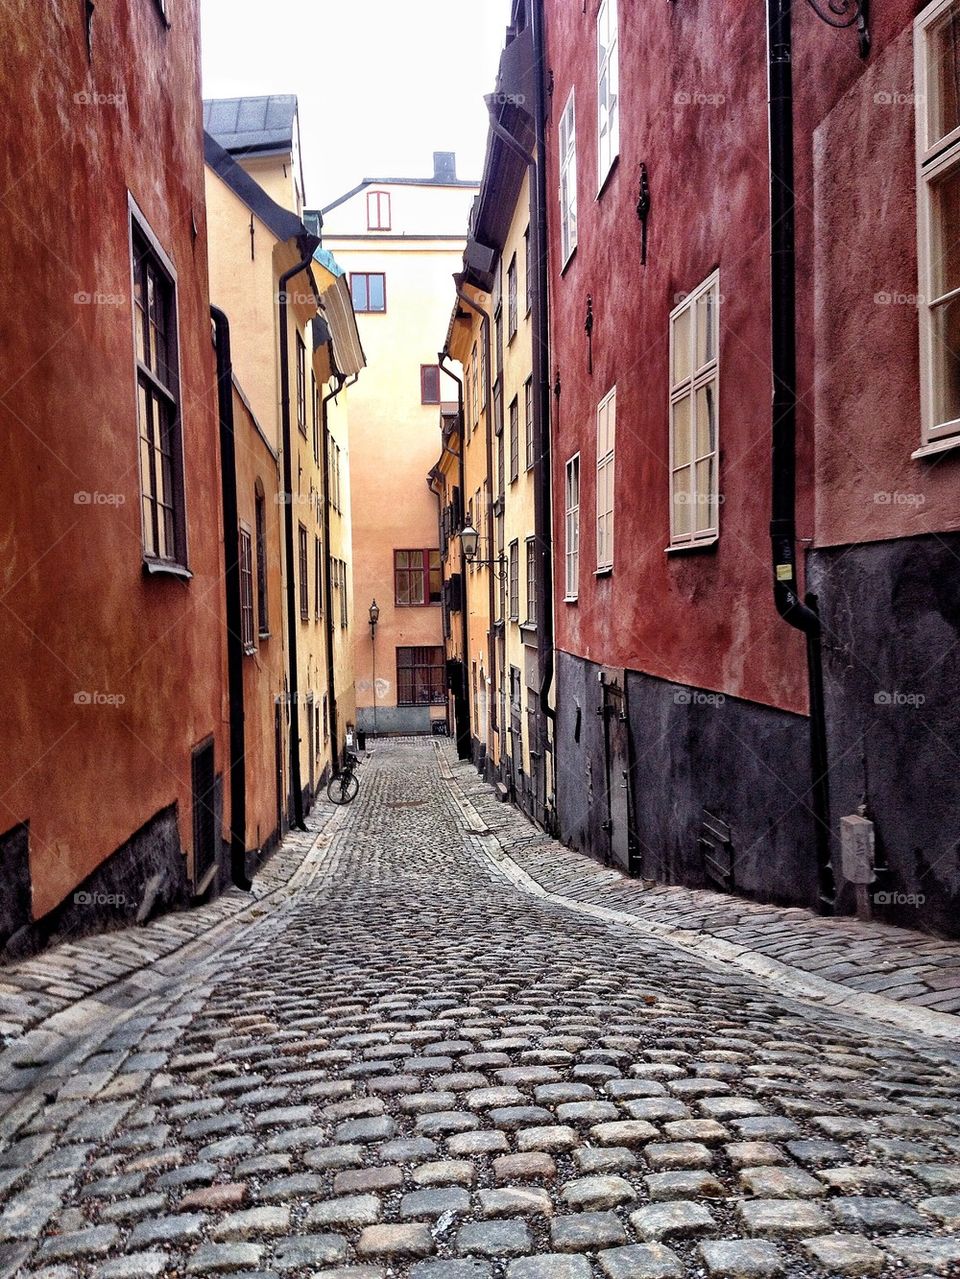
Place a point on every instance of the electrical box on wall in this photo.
(857, 849)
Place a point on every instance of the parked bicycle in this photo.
(343, 788)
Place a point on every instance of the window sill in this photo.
(263, 635)
(571, 599)
(614, 165)
(686, 548)
(572, 254)
(166, 568)
(936, 447)
(604, 572)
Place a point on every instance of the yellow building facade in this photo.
(493, 332)
(294, 347)
(400, 240)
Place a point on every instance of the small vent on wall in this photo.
(717, 852)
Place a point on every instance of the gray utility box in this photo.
(856, 850)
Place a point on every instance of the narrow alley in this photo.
(406, 1056)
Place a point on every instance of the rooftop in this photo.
(246, 125)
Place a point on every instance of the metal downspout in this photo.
(293, 677)
(327, 578)
(462, 475)
(491, 578)
(231, 577)
(801, 615)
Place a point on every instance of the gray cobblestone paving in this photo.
(410, 1066)
(862, 955)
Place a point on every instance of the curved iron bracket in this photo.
(843, 14)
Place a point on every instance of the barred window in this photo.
(246, 590)
(421, 677)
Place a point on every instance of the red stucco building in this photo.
(113, 721)
(683, 698)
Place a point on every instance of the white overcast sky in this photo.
(381, 84)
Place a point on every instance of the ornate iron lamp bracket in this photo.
(843, 14)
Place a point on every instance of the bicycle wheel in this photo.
(343, 788)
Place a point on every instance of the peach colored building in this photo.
(400, 239)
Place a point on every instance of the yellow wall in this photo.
(392, 435)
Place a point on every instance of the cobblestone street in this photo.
(409, 1055)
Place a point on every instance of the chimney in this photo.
(444, 166)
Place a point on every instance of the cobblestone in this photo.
(411, 1066)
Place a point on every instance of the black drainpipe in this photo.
(231, 577)
(492, 580)
(462, 475)
(803, 616)
(293, 676)
(332, 718)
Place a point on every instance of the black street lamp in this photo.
(374, 616)
(469, 545)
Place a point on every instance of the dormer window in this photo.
(378, 210)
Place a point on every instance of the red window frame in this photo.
(378, 205)
(367, 276)
(429, 394)
(417, 577)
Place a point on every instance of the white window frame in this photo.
(686, 388)
(606, 466)
(608, 73)
(937, 158)
(571, 525)
(567, 130)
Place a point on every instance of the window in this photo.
(568, 181)
(937, 55)
(531, 581)
(304, 583)
(498, 340)
(528, 422)
(608, 88)
(301, 387)
(514, 439)
(246, 590)
(369, 291)
(333, 476)
(474, 374)
(416, 578)
(694, 333)
(315, 401)
(158, 408)
(514, 581)
(572, 529)
(421, 677)
(512, 299)
(606, 442)
(378, 210)
(344, 602)
(483, 375)
(500, 465)
(317, 578)
(260, 507)
(527, 272)
(429, 384)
